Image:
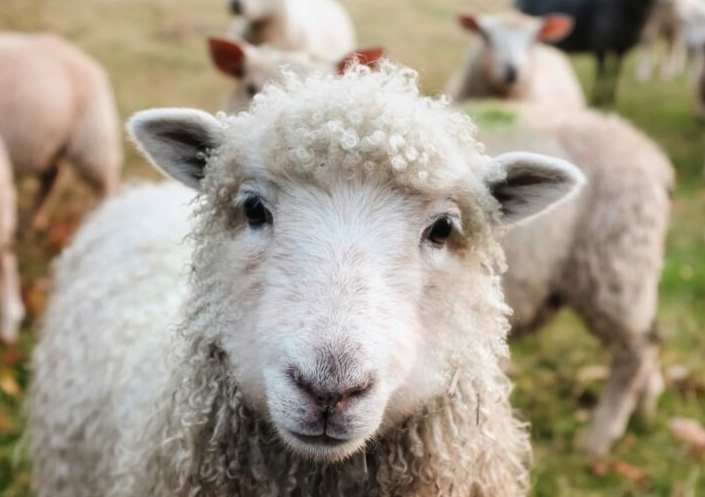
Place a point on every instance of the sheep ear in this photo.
(555, 27)
(365, 56)
(177, 141)
(533, 183)
(471, 22)
(229, 57)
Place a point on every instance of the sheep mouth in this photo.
(320, 440)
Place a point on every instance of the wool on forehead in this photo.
(361, 124)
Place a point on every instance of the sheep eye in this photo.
(256, 213)
(251, 90)
(439, 232)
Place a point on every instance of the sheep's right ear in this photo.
(229, 57)
(364, 56)
(177, 141)
(471, 23)
(532, 184)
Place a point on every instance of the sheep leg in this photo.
(11, 309)
(654, 384)
(39, 215)
(597, 90)
(631, 374)
(607, 79)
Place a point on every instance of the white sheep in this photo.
(253, 67)
(11, 309)
(320, 28)
(510, 62)
(57, 103)
(600, 254)
(343, 320)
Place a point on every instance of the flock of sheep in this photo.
(323, 308)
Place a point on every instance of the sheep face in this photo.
(507, 44)
(343, 217)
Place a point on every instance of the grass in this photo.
(155, 54)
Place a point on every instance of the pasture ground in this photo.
(155, 53)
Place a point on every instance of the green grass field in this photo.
(155, 53)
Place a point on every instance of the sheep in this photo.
(600, 254)
(11, 309)
(320, 28)
(343, 320)
(603, 28)
(680, 24)
(509, 63)
(253, 67)
(662, 26)
(56, 103)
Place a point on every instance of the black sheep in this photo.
(603, 28)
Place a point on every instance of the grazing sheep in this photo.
(11, 310)
(343, 319)
(661, 41)
(510, 63)
(320, 28)
(254, 67)
(56, 103)
(603, 28)
(600, 254)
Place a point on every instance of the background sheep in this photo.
(601, 253)
(320, 28)
(603, 28)
(310, 204)
(56, 103)
(511, 63)
(254, 67)
(661, 42)
(11, 310)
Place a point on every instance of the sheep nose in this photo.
(511, 74)
(236, 7)
(328, 400)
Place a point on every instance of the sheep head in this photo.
(255, 66)
(347, 251)
(507, 43)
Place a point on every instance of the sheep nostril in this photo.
(236, 7)
(337, 399)
(511, 75)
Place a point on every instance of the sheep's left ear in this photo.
(533, 184)
(555, 27)
(177, 141)
(228, 56)
(365, 56)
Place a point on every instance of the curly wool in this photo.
(189, 431)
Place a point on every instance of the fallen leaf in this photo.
(596, 372)
(8, 382)
(630, 472)
(689, 431)
(7, 427)
(12, 356)
(60, 235)
(35, 296)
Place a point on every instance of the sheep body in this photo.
(11, 309)
(320, 28)
(56, 102)
(600, 254)
(134, 289)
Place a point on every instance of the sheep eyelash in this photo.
(248, 194)
(454, 218)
